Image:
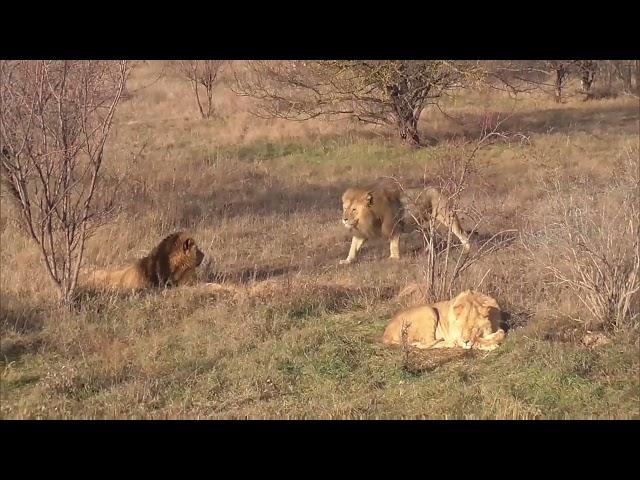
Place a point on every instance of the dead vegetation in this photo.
(291, 334)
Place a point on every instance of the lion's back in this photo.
(130, 278)
(419, 322)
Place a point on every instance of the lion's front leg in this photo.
(450, 220)
(491, 341)
(188, 278)
(394, 247)
(426, 346)
(356, 244)
(444, 344)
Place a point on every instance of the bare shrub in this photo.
(592, 247)
(444, 264)
(379, 92)
(54, 121)
(202, 75)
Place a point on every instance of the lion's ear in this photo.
(457, 308)
(188, 243)
(369, 199)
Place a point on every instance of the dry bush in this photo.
(202, 74)
(591, 246)
(296, 336)
(444, 265)
(55, 120)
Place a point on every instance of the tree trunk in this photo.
(195, 89)
(626, 78)
(560, 73)
(209, 88)
(407, 116)
(588, 77)
(408, 127)
(65, 293)
(407, 112)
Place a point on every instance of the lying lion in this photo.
(471, 320)
(173, 262)
(385, 210)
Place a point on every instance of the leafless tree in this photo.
(55, 118)
(552, 75)
(386, 92)
(560, 69)
(588, 70)
(537, 74)
(624, 72)
(202, 75)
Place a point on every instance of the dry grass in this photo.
(297, 335)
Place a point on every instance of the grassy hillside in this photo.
(299, 336)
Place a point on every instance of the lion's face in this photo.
(183, 253)
(472, 317)
(356, 208)
(192, 252)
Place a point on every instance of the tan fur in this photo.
(385, 210)
(412, 294)
(471, 320)
(173, 262)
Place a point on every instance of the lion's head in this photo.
(185, 253)
(178, 253)
(473, 315)
(357, 209)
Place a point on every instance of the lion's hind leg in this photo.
(443, 213)
(450, 220)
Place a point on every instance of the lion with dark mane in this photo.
(171, 263)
